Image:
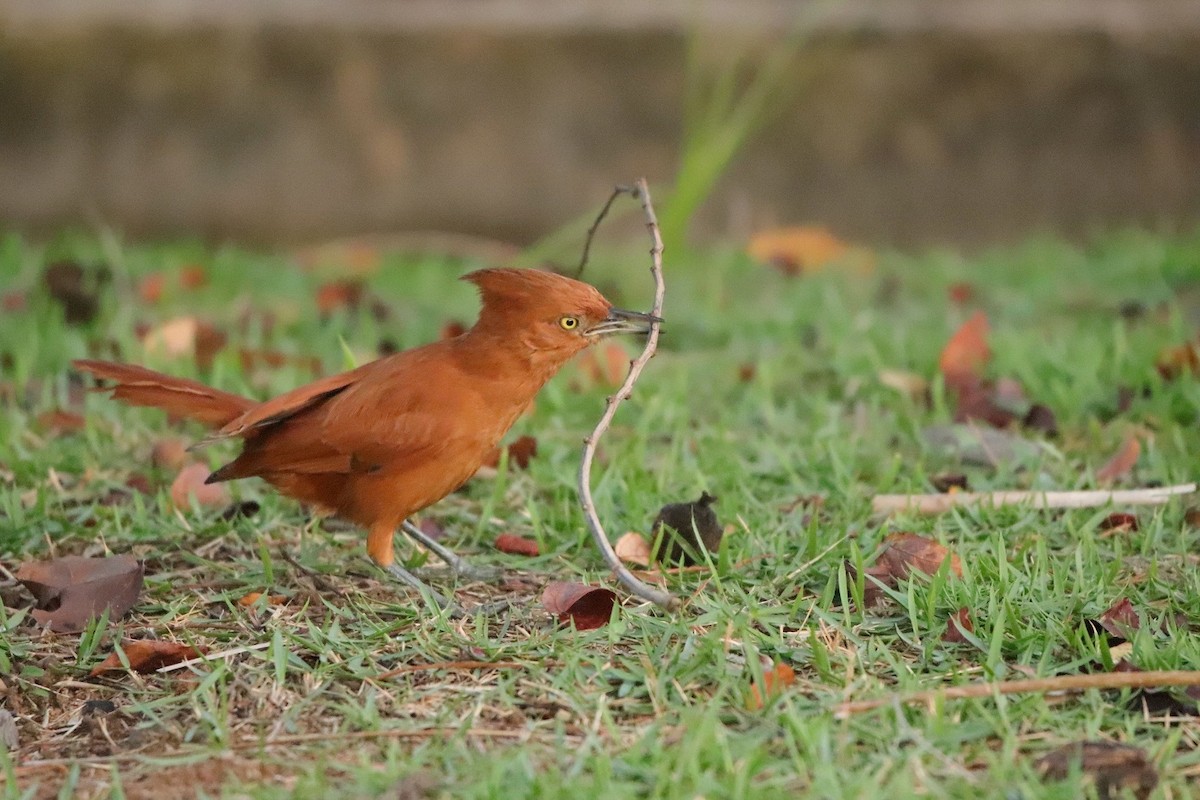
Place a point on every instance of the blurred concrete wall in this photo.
(286, 120)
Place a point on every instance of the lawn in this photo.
(776, 393)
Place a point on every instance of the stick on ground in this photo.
(940, 503)
(631, 582)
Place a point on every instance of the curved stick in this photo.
(630, 581)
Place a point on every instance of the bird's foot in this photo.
(440, 601)
(458, 565)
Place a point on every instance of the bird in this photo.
(379, 443)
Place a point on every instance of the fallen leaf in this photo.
(520, 453)
(14, 302)
(58, 421)
(1120, 619)
(966, 354)
(960, 293)
(169, 454)
(193, 276)
(957, 626)
(1174, 361)
(746, 372)
(976, 444)
(273, 359)
(588, 607)
(774, 680)
(903, 552)
(673, 532)
(949, 482)
(1119, 522)
(146, 655)
(603, 365)
(71, 590)
(185, 335)
(1121, 464)
(799, 249)
(250, 598)
(516, 545)
(1192, 516)
(342, 294)
(190, 482)
(1114, 768)
(632, 548)
(151, 287)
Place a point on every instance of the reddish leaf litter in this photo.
(1116, 770)
(587, 607)
(70, 591)
(516, 545)
(958, 626)
(190, 485)
(776, 677)
(999, 403)
(903, 552)
(1122, 462)
(146, 655)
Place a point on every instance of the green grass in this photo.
(651, 705)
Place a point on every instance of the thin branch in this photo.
(1060, 683)
(591, 234)
(630, 581)
(940, 503)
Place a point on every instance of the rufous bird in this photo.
(379, 443)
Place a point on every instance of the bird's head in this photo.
(549, 313)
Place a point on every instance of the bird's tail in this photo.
(179, 397)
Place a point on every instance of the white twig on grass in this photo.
(940, 503)
(627, 578)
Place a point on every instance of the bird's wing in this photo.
(395, 415)
(287, 405)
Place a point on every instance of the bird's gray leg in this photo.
(458, 565)
(431, 596)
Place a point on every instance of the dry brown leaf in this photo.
(516, 545)
(775, 679)
(796, 250)
(603, 365)
(190, 482)
(58, 421)
(1174, 361)
(1114, 768)
(958, 625)
(75, 289)
(632, 548)
(14, 302)
(342, 294)
(193, 276)
(1122, 462)
(961, 293)
(1121, 619)
(520, 453)
(72, 590)
(966, 354)
(273, 359)
(147, 655)
(588, 607)
(904, 551)
(151, 287)
(182, 336)
(1119, 522)
(250, 598)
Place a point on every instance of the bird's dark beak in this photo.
(621, 321)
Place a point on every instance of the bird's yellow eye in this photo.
(568, 323)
